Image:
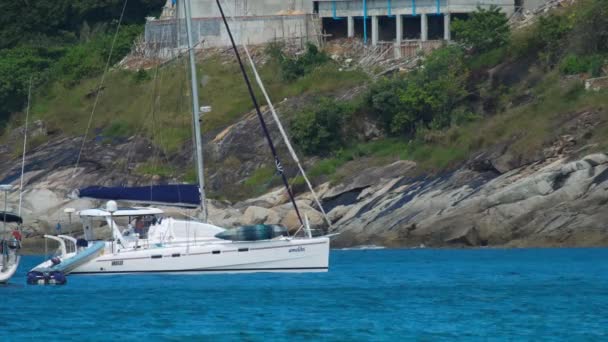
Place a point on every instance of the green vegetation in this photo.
(155, 168)
(49, 23)
(485, 30)
(61, 40)
(320, 128)
(156, 104)
(452, 107)
(425, 98)
(572, 65)
(292, 67)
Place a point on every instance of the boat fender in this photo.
(36, 278)
(14, 244)
(55, 261)
(57, 278)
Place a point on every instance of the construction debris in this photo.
(522, 17)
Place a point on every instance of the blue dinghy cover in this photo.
(253, 233)
(183, 195)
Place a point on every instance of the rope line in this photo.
(27, 116)
(97, 94)
(259, 114)
(275, 116)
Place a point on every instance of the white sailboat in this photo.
(10, 242)
(144, 240)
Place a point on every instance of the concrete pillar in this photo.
(399, 22)
(398, 35)
(446, 27)
(351, 27)
(375, 30)
(424, 27)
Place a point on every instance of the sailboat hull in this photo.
(10, 270)
(282, 255)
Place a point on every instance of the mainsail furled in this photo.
(10, 217)
(181, 195)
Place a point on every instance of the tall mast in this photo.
(198, 143)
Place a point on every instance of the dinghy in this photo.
(55, 270)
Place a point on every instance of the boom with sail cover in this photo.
(10, 217)
(182, 195)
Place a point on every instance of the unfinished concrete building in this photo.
(252, 22)
(396, 22)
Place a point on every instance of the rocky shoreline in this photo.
(556, 201)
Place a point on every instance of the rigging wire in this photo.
(98, 92)
(147, 114)
(27, 116)
(259, 114)
(275, 116)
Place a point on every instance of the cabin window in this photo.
(175, 255)
(158, 256)
(216, 252)
(243, 249)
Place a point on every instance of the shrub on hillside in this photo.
(17, 65)
(89, 59)
(293, 68)
(573, 64)
(320, 128)
(484, 30)
(57, 21)
(590, 29)
(551, 34)
(426, 97)
(580, 31)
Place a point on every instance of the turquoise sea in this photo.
(419, 294)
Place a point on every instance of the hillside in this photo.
(487, 141)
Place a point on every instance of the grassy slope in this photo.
(125, 109)
(125, 106)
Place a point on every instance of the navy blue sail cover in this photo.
(183, 195)
(10, 217)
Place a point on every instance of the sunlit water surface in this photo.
(423, 294)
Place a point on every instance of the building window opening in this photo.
(411, 27)
(335, 28)
(435, 26)
(388, 29)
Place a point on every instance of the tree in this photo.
(16, 67)
(41, 20)
(293, 68)
(320, 129)
(484, 30)
(591, 22)
(426, 96)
